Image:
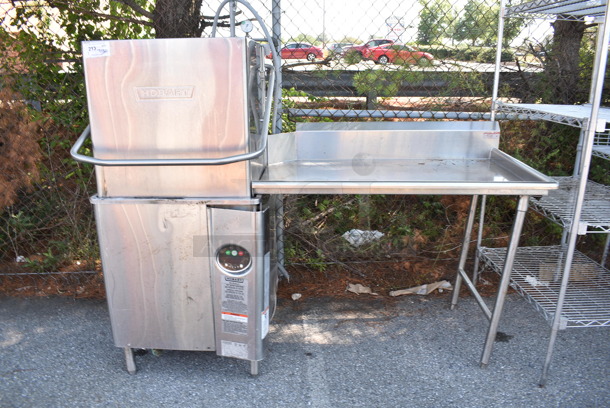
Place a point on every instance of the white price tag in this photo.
(96, 49)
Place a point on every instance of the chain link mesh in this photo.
(435, 61)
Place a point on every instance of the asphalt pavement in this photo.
(368, 352)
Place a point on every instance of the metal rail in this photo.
(562, 9)
(74, 151)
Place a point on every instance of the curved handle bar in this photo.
(181, 162)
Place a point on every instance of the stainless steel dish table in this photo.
(432, 158)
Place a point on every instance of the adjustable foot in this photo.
(130, 360)
(254, 367)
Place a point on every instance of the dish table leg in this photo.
(505, 280)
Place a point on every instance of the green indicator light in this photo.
(228, 252)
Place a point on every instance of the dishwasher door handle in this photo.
(74, 151)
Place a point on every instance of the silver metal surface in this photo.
(242, 301)
(261, 123)
(130, 361)
(428, 129)
(164, 99)
(399, 158)
(254, 367)
(157, 273)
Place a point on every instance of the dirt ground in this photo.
(333, 281)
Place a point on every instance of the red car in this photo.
(363, 49)
(301, 51)
(402, 53)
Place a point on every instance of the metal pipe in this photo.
(581, 138)
(605, 254)
(505, 280)
(475, 293)
(254, 367)
(475, 272)
(511, 251)
(350, 113)
(464, 252)
(232, 18)
(130, 360)
(494, 96)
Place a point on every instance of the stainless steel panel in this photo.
(169, 98)
(257, 97)
(435, 126)
(414, 158)
(242, 300)
(157, 273)
(396, 140)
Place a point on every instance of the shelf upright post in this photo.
(585, 162)
(494, 95)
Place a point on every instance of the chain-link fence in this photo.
(341, 60)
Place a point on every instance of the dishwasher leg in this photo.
(254, 367)
(130, 360)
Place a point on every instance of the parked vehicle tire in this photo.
(311, 56)
(383, 59)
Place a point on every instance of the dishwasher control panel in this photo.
(233, 258)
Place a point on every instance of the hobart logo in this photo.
(164, 92)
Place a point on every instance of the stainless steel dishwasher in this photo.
(179, 130)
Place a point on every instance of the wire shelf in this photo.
(558, 206)
(537, 274)
(560, 9)
(572, 115)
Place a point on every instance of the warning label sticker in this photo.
(234, 309)
(232, 317)
(234, 327)
(235, 295)
(234, 323)
(234, 349)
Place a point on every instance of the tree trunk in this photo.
(178, 18)
(563, 63)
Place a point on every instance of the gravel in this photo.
(368, 352)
